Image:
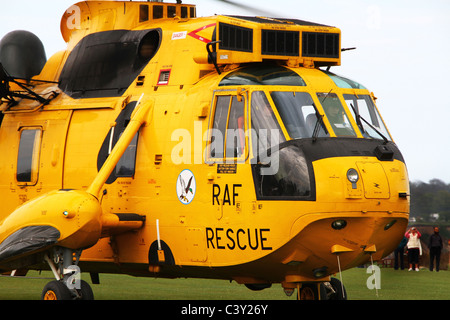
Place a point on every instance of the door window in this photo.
(228, 128)
(28, 157)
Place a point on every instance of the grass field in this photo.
(395, 285)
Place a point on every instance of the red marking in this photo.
(194, 34)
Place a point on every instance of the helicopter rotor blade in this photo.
(252, 9)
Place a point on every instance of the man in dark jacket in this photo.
(435, 246)
(398, 254)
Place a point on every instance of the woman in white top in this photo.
(414, 247)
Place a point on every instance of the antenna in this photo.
(25, 93)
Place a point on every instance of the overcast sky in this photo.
(402, 55)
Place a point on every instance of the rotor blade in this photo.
(249, 8)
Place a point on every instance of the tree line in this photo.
(430, 198)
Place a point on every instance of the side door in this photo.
(228, 126)
(228, 150)
(36, 156)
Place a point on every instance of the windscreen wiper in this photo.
(358, 120)
(319, 124)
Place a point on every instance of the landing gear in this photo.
(312, 291)
(56, 290)
(332, 290)
(68, 284)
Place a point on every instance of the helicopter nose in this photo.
(68, 218)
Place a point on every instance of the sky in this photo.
(402, 56)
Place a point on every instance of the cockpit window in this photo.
(336, 114)
(279, 173)
(266, 75)
(367, 117)
(299, 114)
(290, 182)
(264, 124)
(344, 83)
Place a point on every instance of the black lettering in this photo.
(226, 196)
(250, 239)
(235, 194)
(237, 238)
(210, 237)
(230, 237)
(215, 239)
(216, 195)
(218, 238)
(264, 239)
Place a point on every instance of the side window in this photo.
(28, 157)
(125, 168)
(228, 128)
(236, 130)
(219, 126)
(127, 164)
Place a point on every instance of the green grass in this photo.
(398, 285)
(395, 285)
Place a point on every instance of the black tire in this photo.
(56, 290)
(258, 286)
(86, 292)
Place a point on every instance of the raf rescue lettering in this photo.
(241, 239)
(225, 195)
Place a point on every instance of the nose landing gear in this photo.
(68, 284)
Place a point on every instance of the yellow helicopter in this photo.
(161, 144)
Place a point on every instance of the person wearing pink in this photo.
(414, 247)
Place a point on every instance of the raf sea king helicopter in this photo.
(161, 144)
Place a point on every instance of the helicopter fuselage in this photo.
(265, 171)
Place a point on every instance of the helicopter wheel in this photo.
(85, 292)
(310, 291)
(65, 287)
(56, 290)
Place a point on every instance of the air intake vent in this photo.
(280, 43)
(322, 45)
(235, 38)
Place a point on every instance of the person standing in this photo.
(435, 246)
(398, 254)
(414, 248)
